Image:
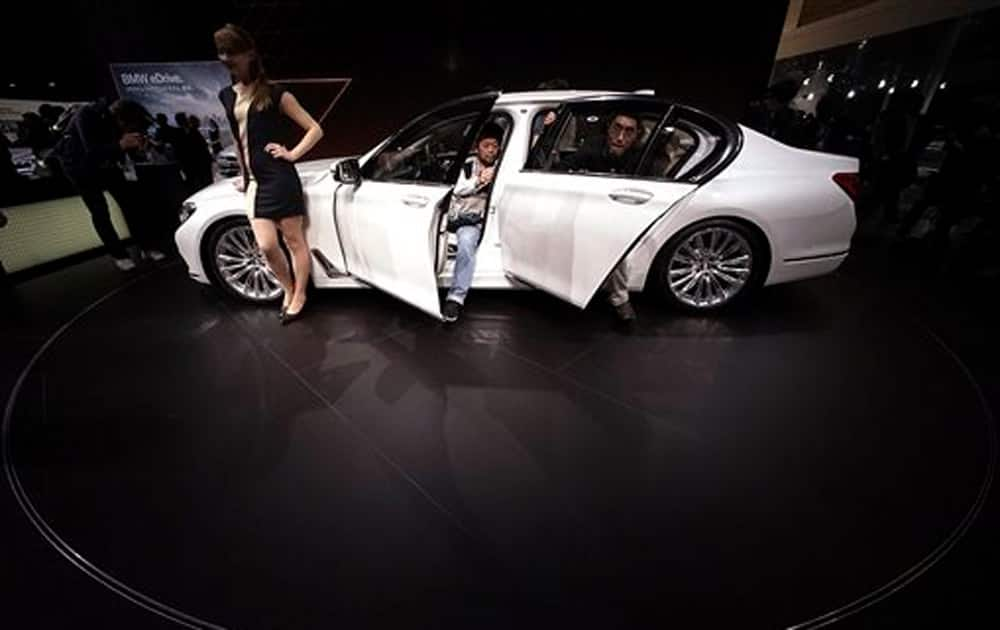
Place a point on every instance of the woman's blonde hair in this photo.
(235, 40)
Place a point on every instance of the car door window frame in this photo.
(480, 118)
(729, 145)
(731, 139)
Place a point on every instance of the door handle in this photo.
(415, 201)
(630, 196)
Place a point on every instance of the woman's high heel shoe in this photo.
(288, 318)
(284, 307)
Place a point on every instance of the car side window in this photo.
(541, 122)
(671, 152)
(424, 153)
(685, 148)
(597, 139)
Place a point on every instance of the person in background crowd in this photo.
(214, 137)
(771, 114)
(199, 158)
(183, 148)
(838, 133)
(50, 115)
(163, 129)
(162, 123)
(544, 121)
(9, 179)
(959, 188)
(33, 133)
(4, 283)
(891, 148)
(165, 139)
(258, 113)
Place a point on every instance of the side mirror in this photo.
(348, 172)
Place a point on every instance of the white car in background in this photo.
(712, 211)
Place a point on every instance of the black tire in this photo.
(239, 228)
(658, 281)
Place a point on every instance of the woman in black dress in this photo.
(259, 113)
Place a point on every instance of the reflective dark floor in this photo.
(532, 465)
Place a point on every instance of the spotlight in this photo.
(914, 83)
(881, 84)
(851, 94)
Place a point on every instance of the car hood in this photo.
(310, 173)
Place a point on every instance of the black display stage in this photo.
(531, 466)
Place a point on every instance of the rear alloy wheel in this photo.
(237, 265)
(709, 265)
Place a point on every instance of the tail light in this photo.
(850, 183)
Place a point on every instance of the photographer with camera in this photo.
(98, 151)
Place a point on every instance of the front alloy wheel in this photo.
(238, 265)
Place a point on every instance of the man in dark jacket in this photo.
(617, 152)
(97, 139)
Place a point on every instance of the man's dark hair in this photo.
(554, 84)
(829, 106)
(131, 116)
(491, 130)
(784, 91)
(638, 122)
(49, 112)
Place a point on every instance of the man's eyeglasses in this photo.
(620, 129)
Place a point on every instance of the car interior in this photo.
(672, 149)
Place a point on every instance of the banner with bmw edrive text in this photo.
(183, 93)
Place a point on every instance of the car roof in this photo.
(554, 96)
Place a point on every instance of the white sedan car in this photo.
(707, 211)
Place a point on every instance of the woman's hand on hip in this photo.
(279, 152)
